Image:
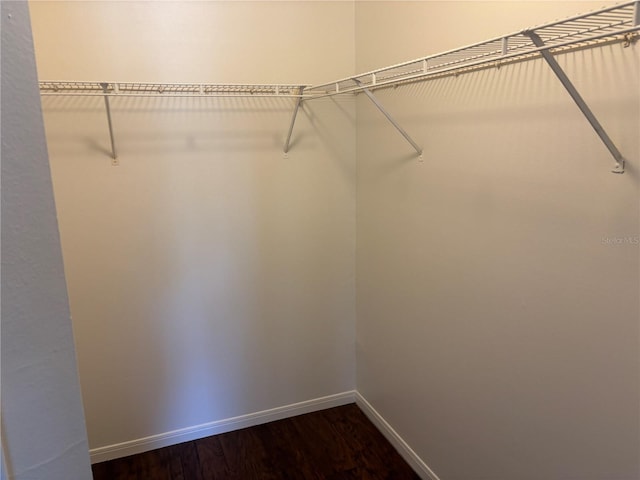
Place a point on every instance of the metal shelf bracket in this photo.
(107, 106)
(402, 131)
(287, 143)
(577, 98)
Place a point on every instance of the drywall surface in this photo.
(43, 432)
(209, 276)
(498, 279)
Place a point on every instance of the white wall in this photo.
(497, 327)
(43, 432)
(209, 276)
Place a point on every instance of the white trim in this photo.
(403, 448)
(174, 437)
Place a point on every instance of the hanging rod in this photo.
(616, 23)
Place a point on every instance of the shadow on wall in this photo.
(498, 278)
(469, 108)
(165, 125)
(208, 275)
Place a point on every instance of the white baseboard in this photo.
(187, 434)
(174, 437)
(403, 448)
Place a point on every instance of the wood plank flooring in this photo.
(335, 444)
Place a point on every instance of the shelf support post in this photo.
(293, 119)
(389, 117)
(107, 106)
(577, 98)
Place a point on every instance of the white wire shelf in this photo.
(616, 23)
(123, 89)
(620, 22)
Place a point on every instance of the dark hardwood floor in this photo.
(335, 444)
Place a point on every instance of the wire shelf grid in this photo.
(168, 89)
(604, 25)
(607, 24)
(616, 23)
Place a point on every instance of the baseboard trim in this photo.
(174, 437)
(403, 448)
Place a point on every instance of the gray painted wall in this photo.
(43, 432)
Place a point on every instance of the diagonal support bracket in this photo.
(287, 144)
(107, 106)
(375, 101)
(557, 69)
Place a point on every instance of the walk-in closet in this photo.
(269, 208)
